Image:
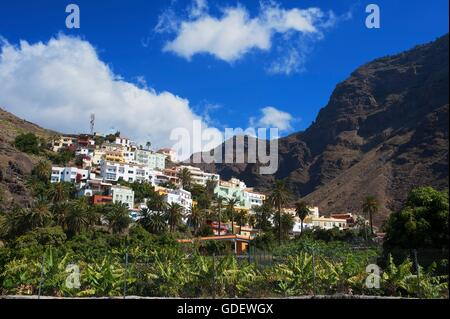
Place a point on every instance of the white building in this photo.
(169, 153)
(181, 197)
(121, 194)
(314, 220)
(253, 198)
(129, 172)
(84, 151)
(97, 157)
(95, 186)
(123, 141)
(152, 160)
(68, 174)
(128, 156)
(113, 171)
(198, 176)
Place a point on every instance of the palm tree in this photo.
(14, 223)
(148, 144)
(77, 218)
(218, 208)
(286, 222)
(185, 178)
(59, 192)
(42, 171)
(242, 218)
(302, 211)
(157, 203)
(210, 187)
(196, 218)
(174, 213)
(252, 220)
(157, 222)
(231, 203)
(39, 215)
(117, 217)
(144, 219)
(370, 207)
(263, 214)
(5, 226)
(277, 199)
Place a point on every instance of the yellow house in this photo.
(114, 156)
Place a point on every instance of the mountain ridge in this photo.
(387, 122)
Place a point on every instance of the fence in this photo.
(308, 273)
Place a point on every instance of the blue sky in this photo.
(226, 91)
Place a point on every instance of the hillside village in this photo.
(106, 164)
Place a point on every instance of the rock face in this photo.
(383, 132)
(15, 166)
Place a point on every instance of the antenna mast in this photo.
(92, 123)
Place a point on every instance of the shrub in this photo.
(28, 143)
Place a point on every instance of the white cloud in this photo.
(272, 117)
(198, 8)
(227, 38)
(234, 34)
(292, 61)
(60, 83)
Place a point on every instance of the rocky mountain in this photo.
(15, 165)
(383, 132)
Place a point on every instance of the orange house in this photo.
(101, 199)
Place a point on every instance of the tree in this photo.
(231, 203)
(39, 215)
(218, 210)
(277, 199)
(117, 217)
(63, 157)
(141, 191)
(157, 223)
(174, 213)
(14, 223)
(157, 203)
(148, 144)
(185, 178)
(28, 143)
(302, 211)
(263, 215)
(42, 171)
(370, 207)
(77, 217)
(421, 223)
(242, 217)
(196, 218)
(210, 186)
(59, 192)
(285, 223)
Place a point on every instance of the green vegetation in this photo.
(28, 143)
(370, 207)
(40, 246)
(422, 223)
(278, 198)
(158, 266)
(62, 157)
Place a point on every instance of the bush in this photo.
(28, 143)
(51, 236)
